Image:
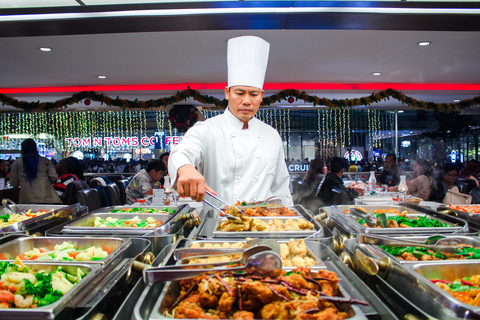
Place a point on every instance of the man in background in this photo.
(333, 180)
(389, 175)
(144, 181)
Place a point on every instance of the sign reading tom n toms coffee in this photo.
(132, 142)
(298, 166)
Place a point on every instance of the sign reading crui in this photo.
(298, 167)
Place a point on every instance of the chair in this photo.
(466, 185)
(475, 193)
(71, 190)
(113, 194)
(89, 198)
(122, 186)
(340, 197)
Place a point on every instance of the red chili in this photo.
(465, 282)
(441, 281)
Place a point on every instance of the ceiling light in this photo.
(102, 77)
(424, 43)
(456, 100)
(400, 111)
(377, 73)
(45, 49)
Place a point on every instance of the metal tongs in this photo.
(11, 206)
(259, 259)
(395, 242)
(223, 213)
(370, 218)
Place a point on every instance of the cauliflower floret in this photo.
(64, 245)
(110, 219)
(150, 220)
(85, 256)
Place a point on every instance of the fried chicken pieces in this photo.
(294, 295)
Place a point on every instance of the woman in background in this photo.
(34, 175)
(445, 181)
(422, 185)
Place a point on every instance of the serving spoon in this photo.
(253, 262)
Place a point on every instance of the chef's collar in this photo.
(234, 121)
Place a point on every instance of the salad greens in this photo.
(418, 252)
(420, 222)
(143, 210)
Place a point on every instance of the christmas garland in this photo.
(222, 104)
(183, 117)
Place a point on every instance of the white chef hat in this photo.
(247, 59)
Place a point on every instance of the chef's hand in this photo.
(190, 183)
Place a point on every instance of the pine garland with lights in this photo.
(222, 104)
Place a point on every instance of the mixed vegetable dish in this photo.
(21, 287)
(143, 210)
(134, 222)
(66, 251)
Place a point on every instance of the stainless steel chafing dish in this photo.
(449, 240)
(60, 213)
(167, 233)
(208, 228)
(71, 298)
(115, 246)
(410, 282)
(473, 219)
(157, 296)
(86, 224)
(351, 222)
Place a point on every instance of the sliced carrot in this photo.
(42, 250)
(74, 254)
(41, 210)
(21, 257)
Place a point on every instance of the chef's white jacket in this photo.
(239, 165)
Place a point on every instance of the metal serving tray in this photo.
(170, 232)
(116, 246)
(85, 225)
(110, 209)
(402, 307)
(24, 225)
(351, 222)
(155, 296)
(472, 218)
(70, 298)
(312, 248)
(449, 240)
(413, 282)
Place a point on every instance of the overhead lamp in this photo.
(45, 49)
(400, 111)
(456, 100)
(424, 43)
(102, 77)
(376, 73)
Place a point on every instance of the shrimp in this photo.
(6, 297)
(21, 302)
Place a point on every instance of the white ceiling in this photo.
(297, 56)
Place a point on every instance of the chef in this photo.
(234, 155)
